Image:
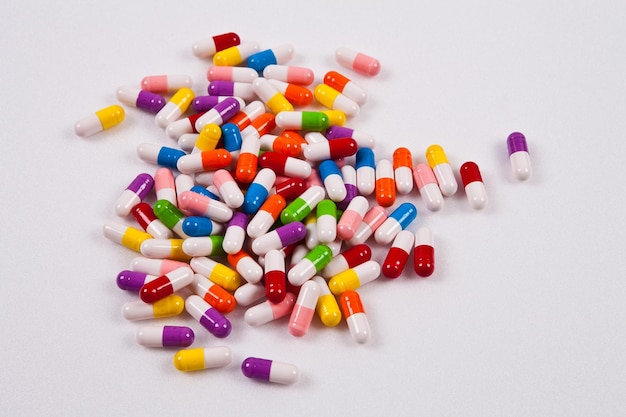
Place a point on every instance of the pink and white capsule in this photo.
(165, 83)
(375, 217)
(230, 73)
(249, 293)
(267, 311)
(155, 267)
(199, 246)
(164, 185)
(352, 217)
(228, 188)
(202, 205)
(357, 61)
(290, 74)
(304, 309)
(427, 185)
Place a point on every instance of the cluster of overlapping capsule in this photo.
(266, 201)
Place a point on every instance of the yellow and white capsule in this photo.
(197, 359)
(101, 120)
(438, 161)
(334, 100)
(218, 273)
(354, 278)
(127, 236)
(327, 308)
(175, 107)
(170, 306)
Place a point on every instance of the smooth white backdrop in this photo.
(525, 313)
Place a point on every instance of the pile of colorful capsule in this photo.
(258, 207)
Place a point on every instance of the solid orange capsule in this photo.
(385, 187)
(403, 170)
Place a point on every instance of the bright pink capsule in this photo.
(398, 254)
(304, 309)
(289, 74)
(424, 253)
(165, 83)
(426, 182)
(372, 220)
(165, 285)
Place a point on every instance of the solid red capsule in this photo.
(398, 254)
(275, 276)
(165, 285)
(424, 253)
(291, 188)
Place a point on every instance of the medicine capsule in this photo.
(141, 99)
(202, 104)
(181, 126)
(235, 233)
(207, 47)
(403, 170)
(326, 221)
(365, 171)
(332, 179)
(290, 189)
(164, 185)
(398, 220)
(345, 86)
(204, 246)
(249, 113)
(200, 226)
(132, 280)
(228, 188)
(235, 55)
(290, 74)
(299, 208)
(165, 285)
(171, 216)
(198, 359)
(235, 74)
(297, 95)
(385, 183)
(304, 309)
(208, 138)
(372, 220)
(302, 120)
(357, 61)
(363, 139)
(266, 216)
(209, 317)
(213, 294)
(275, 56)
(519, 156)
(165, 336)
(347, 259)
(175, 107)
(474, 186)
(127, 236)
(260, 126)
(310, 265)
(160, 155)
(249, 293)
(279, 238)
(258, 191)
(155, 267)
(268, 370)
(134, 194)
(164, 249)
(205, 206)
(169, 306)
(398, 254)
(438, 161)
(220, 114)
(267, 311)
(247, 163)
(231, 137)
(352, 217)
(281, 144)
(310, 240)
(348, 172)
(274, 277)
(284, 165)
(330, 149)
(165, 83)
(424, 253)
(246, 266)
(429, 189)
(354, 278)
(187, 141)
(218, 273)
(356, 318)
(334, 100)
(273, 99)
(244, 91)
(327, 308)
(101, 120)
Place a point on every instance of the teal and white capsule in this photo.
(171, 216)
(299, 208)
(326, 221)
(398, 220)
(312, 263)
(315, 121)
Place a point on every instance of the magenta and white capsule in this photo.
(141, 99)
(235, 233)
(220, 114)
(519, 156)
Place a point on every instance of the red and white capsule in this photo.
(474, 186)
(424, 253)
(398, 254)
(347, 259)
(165, 285)
(146, 218)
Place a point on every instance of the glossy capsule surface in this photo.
(213, 294)
(160, 155)
(281, 144)
(426, 183)
(312, 263)
(398, 220)
(244, 91)
(304, 309)
(354, 278)
(275, 276)
(297, 95)
(165, 336)
(235, 233)
(266, 216)
(278, 55)
(356, 318)
(165, 285)
(102, 119)
(345, 86)
(267, 311)
(398, 254)
(284, 165)
(217, 272)
(363, 139)
(235, 74)
(171, 216)
(247, 163)
(302, 120)
(438, 162)
(299, 208)
(124, 235)
(519, 156)
(279, 238)
(424, 253)
(197, 359)
(258, 191)
(209, 317)
(474, 186)
(207, 47)
(165, 83)
(134, 194)
(330, 175)
(403, 170)
(291, 188)
(203, 161)
(290, 74)
(330, 149)
(141, 99)
(236, 54)
(357, 61)
(385, 183)
(365, 171)
(269, 370)
(128, 280)
(347, 259)
(228, 188)
(169, 306)
(175, 107)
(221, 113)
(246, 266)
(327, 308)
(197, 246)
(334, 100)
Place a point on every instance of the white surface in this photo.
(525, 313)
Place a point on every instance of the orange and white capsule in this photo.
(385, 183)
(474, 186)
(403, 170)
(289, 74)
(247, 163)
(357, 61)
(235, 55)
(297, 95)
(356, 318)
(438, 161)
(426, 183)
(175, 107)
(424, 253)
(266, 216)
(304, 309)
(101, 120)
(352, 217)
(345, 86)
(211, 160)
(246, 266)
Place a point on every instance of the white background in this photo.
(525, 314)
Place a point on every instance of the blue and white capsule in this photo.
(258, 191)
(398, 220)
(365, 171)
(276, 56)
(159, 155)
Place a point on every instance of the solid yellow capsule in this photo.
(208, 138)
(101, 120)
(197, 359)
(327, 307)
(216, 272)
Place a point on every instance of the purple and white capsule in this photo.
(279, 238)
(165, 336)
(271, 371)
(519, 156)
(134, 194)
(209, 317)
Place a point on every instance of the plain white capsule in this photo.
(249, 293)
(260, 224)
(267, 311)
(520, 164)
(445, 178)
(387, 231)
(168, 114)
(298, 168)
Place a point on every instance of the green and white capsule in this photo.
(311, 264)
